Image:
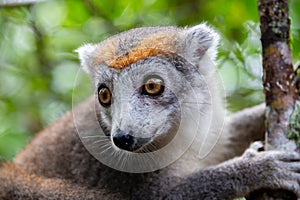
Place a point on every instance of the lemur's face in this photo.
(152, 95)
(140, 106)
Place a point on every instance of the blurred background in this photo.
(38, 65)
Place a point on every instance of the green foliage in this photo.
(241, 69)
(294, 132)
(39, 66)
(295, 19)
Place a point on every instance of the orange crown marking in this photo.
(160, 43)
(134, 56)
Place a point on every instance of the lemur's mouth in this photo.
(127, 142)
(124, 141)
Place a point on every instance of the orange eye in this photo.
(104, 96)
(153, 86)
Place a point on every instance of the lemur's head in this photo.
(142, 79)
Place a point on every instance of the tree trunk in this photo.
(279, 82)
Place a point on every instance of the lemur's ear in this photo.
(200, 44)
(86, 57)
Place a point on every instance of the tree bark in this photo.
(279, 82)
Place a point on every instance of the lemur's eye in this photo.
(153, 86)
(104, 96)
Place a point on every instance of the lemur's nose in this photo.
(124, 140)
(128, 142)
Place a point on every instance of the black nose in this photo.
(124, 140)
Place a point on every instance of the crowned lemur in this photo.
(154, 129)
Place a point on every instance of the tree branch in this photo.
(279, 82)
(278, 79)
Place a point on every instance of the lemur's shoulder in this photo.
(58, 152)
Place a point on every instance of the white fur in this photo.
(85, 54)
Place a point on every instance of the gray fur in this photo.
(56, 165)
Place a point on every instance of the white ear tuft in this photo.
(201, 42)
(85, 54)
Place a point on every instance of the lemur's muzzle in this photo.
(128, 142)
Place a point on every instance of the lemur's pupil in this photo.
(104, 96)
(151, 86)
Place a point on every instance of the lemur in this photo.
(154, 129)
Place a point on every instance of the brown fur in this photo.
(133, 56)
(160, 43)
(18, 183)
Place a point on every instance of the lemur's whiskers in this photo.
(101, 141)
(106, 148)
